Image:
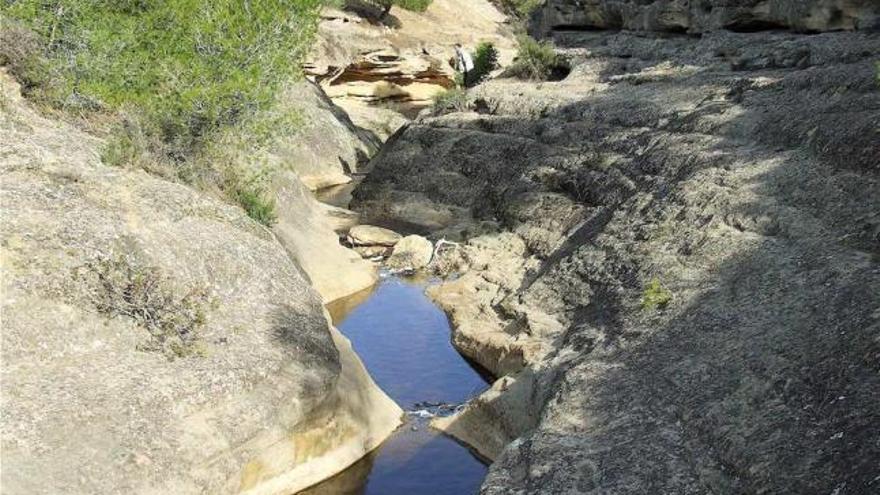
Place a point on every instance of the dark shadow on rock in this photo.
(372, 13)
(315, 349)
(762, 374)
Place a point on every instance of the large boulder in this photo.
(156, 340)
(413, 252)
(325, 148)
(706, 15)
(370, 235)
(690, 302)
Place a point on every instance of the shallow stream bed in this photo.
(403, 340)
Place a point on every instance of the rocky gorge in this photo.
(667, 260)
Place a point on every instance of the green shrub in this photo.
(537, 60)
(258, 204)
(451, 100)
(21, 52)
(519, 8)
(485, 61)
(413, 5)
(186, 67)
(655, 296)
(171, 74)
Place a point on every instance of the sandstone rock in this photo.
(413, 252)
(304, 226)
(370, 252)
(381, 76)
(326, 146)
(304, 229)
(370, 235)
(229, 380)
(706, 15)
(719, 167)
(498, 416)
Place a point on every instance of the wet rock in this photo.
(413, 252)
(370, 235)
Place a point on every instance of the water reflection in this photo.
(403, 339)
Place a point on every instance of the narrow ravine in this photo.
(403, 339)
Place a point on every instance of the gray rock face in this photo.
(738, 171)
(156, 340)
(698, 16)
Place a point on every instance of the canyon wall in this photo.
(157, 340)
(692, 16)
(670, 258)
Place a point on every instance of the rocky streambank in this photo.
(157, 340)
(670, 259)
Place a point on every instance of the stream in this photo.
(404, 341)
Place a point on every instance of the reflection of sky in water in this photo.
(403, 339)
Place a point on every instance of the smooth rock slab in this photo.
(370, 235)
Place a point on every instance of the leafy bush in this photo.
(519, 8)
(537, 60)
(256, 202)
(21, 52)
(655, 296)
(121, 285)
(485, 61)
(451, 100)
(413, 5)
(173, 72)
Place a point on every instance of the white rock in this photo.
(411, 253)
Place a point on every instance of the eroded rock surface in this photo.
(156, 340)
(384, 72)
(731, 177)
(320, 153)
(707, 15)
(326, 147)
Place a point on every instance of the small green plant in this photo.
(451, 100)
(122, 285)
(258, 204)
(485, 61)
(183, 68)
(655, 296)
(537, 60)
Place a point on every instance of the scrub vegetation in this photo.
(519, 8)
(121, 285)
(162, 78)
(485, 61)
(655, 296)
(538, 61)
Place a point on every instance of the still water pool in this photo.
(403, 340)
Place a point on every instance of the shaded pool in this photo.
(403, 340)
